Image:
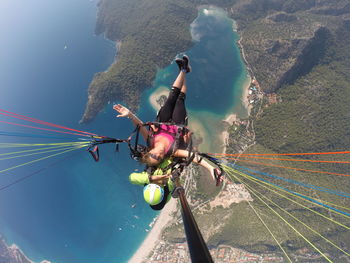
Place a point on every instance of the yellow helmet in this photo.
(153, 194)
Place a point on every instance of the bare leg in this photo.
(184, 87)
(178, 83)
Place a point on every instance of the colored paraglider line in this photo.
(40, 149)
(262, 183)
(293, 168)
(22, 117)
(42, 152)
(36, 172)
(270, 232)
(326, 190)
(319, 188)
(301, 195)
(257, 193)
(44, 129)
(40, 159)
(17, 134)
(23, 145)
(291, 160)
(276, 154)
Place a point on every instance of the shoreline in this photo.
(14, 252)
(232, 117)
(147, 246)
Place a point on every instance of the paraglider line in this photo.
(36, 172)
(22, 117)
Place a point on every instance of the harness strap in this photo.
(95, 153)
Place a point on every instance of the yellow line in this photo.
(326, 239)
(308, 241)
(282, 190)
(35, 150)
(30, 154)
(278, 243)
(40, 159)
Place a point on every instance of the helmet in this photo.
(153, 194)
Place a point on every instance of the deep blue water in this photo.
(79, 210)
(71, 212)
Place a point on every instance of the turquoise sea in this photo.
(79, 211)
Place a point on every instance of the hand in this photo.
(159, 179)
(217, 175)
(124, 112)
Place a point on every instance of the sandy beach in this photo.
(231, 118)
(161, 91)
(154, 235)
(245, 94)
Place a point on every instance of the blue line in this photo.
(16, 134)
(286, 189)
(322, 189)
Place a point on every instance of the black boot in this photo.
(186, 64)
(180, 63)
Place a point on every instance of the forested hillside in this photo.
(314, 114)
(150, 33)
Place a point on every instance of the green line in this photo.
(268, 229)
(299, 197)
(40, 149)
(308, 241)
(329, 241)
(40, 159)
(36, 153)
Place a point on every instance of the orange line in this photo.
(243, 154)
(292, 168)
(293, 160)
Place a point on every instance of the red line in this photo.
(28, 126)
(292, 168)
(41, 122)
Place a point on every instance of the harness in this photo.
(136, 149)
(177, 136)
(96, 140)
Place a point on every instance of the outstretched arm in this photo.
(125, 112)
(198, 160)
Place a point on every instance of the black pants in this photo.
(174, 109)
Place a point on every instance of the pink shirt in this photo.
(164, 131)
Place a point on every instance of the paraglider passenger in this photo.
(165, 141)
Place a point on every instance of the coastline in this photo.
(14, 252)
(232, 117)
(147, 246)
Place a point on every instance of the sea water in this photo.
(78, 210)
